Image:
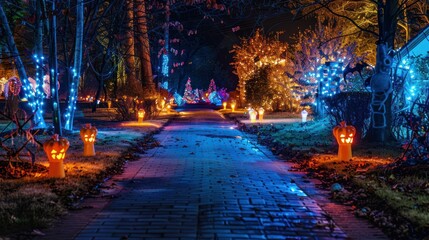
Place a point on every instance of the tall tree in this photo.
(35, 106)
(53, 69)
(77, 67)
(132, 86)
(143, 49)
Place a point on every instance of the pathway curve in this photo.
(208, 181)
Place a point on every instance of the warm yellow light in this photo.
(344, 135)
(88, 134)
(233, 106)
(224, 105)
(140, 115)
(261, 113)
(55, 149)
(252, 115)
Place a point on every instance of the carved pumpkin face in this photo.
(56, 148)
(344, 134)
(88, 133)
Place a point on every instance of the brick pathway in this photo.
(208, 181)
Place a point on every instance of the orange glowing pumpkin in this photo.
(344, 135)
(56, 148)
(88, 134)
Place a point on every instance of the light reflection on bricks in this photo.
(200, 186)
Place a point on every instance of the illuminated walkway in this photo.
(207, 181)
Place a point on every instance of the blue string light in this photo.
(34, 96)
(72, 103)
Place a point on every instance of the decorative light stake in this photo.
(224, 105)
(261, 113)
(56, 148)
(252, 115)
(344, 135)
(140, 115)
(233, 106)
(304, 114)
(162, 105)
(88, 134)
(109, 103)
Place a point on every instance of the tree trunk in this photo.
(39, 93)
(165, 58)
(144, 50)
(381, 82)
(53, 65)
(38, 118)
(77, 68)
(133, 86)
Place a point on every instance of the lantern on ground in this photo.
(233, 106)
(56, 148)
(304, 114)
(261, 113)
(344, 135)
(162, 105)
(252, 115)
(224, 105)
(88, 134)
(168, 107)
(109, 103)
(140, 115)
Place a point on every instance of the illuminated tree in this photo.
(212, 87)
(261, 52)
(189, 95)
(313, 48)
(259, 92)
(387, 16)
(34, 98)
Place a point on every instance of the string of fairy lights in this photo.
(35, 95)
(71, 106)
(325, 80)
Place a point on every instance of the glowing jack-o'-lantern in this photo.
(344, 135)
(140, 115)
(88, 134)
(233, 106)
(261, 113)
(252, 115)
(56, 148)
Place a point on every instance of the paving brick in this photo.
(228, 188)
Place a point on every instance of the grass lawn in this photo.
(30, 200)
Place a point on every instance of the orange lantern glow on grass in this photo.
(56, 148)
(88, 134)
(233, 106)
(344, 135)
(140, 115)
(261, 113)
